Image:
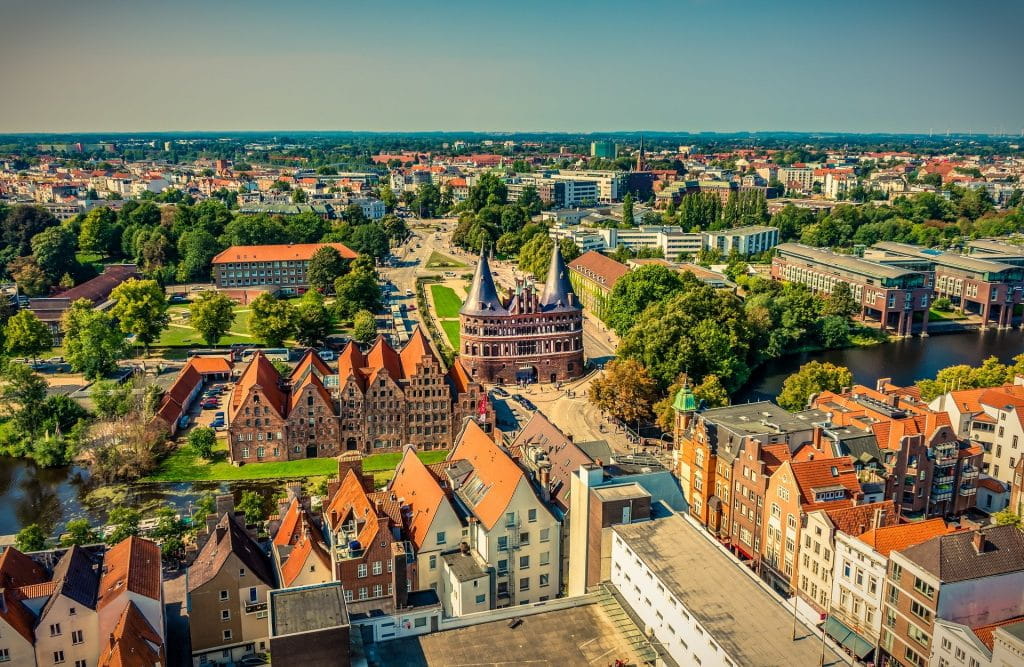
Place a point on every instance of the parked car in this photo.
(499, 392)
(326, 355)
(210, 403)
(218, 422)
(523, 401)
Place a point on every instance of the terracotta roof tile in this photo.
(600, 268)
(899, 537)
(134, 565)
(415, 486)
(383, 356)
(825, 473)
(133, 642)
(307, 547)
(494, 468)
(228, 538)
(854, 520)
(262, 373)
(210, 364)
(985, 632)
(279, 253)
(413, 352)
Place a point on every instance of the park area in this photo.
(446, 307)
(439, 261)
(179, 332)
(185, 465)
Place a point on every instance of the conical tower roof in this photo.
(558, 293)
(483, 297)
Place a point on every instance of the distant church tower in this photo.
(528, 337)
(641, 164)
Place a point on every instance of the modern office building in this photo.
(604, 149)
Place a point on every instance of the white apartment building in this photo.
(956, 644)
(373, 209)
(744, 240)
(698, 603)
(837, 184)
(610, 184)
(797, 178)
(993, 417)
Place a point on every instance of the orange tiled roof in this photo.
(17, 569)
(854, 520)
(132, 565)
(414, 351)
(318, 386)
(133, 643)
(210, 364)
(493, 467)
(290, 525)
(383, 356)
(350, 361)
(896, 538)
(259, 372)
(278, 253)
(985, 632)
(310, 360)
(459, 377)
(993, 485)
(307, 547)
(822, 473)
(416, 487)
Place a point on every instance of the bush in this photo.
(943, 304)
(203, 439)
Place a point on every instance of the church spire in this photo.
(640, 162)
(558, 292)
(483, 295)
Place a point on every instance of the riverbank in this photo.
(185, 465)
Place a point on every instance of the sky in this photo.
(559, 66)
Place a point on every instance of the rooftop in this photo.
(762, 417)
(844, 262)
(751, 625)
(307, 609)
(464, 566)
(954, 557)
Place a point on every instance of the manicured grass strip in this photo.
(446, 303)
(451, 329)
(439, 261)
(184, 465)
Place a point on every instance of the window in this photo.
(378, 590)
(545, 557)
(348, 594)
(58, 657)
(923, 587)
(846, 569)
(503, 566)
(531, 515)
(441, 538)
(524, 538)
(544, 578)
(895, 572)
(76, 637)
(502, 543)
(223, 596)
(917, 634)
(226, 634)
(524, 584)
(913, 658)
(545, 534)
(225, 614)
(253, 595)
(480, 599)
(510, 519)
(55, 629)
(378, 567)
(776, 512)
(433, 562)
(920, 611)
(362, 593)
(72, 611)
(524, 562)
(5, 655)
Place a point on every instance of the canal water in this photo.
(51, 497)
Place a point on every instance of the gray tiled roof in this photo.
(953, 557)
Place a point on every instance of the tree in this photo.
(26, 335)
(92, 341)
(711, 393)
(370, 240)
(254, 230)
(535, 255)
(17, 228)
(141, 309)
(272, 320)
(530, 200)
(312, 319)
(299, 196)
(125, 521)
(80, 532)
(626, 391)
(627, 211)
(54, 250)
(638, 289)
(489, 189)
(364, 327)
(31, 280)
(840, 303)
(196, 249)
(111, 398)
(1006, 517)
(202, 440)
(326, 266)
(98, 232)
(357, 290)
(812, 378)
(835, 332)
(30, 538)
(212, 314)
(253, 505)
(22, 398)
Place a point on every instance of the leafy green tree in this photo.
(356, 290)
(325, 267)
(202, 440)
(530, 201)
(17, 228)
(31, 280)
(30, 538)
(92, 341)
(80, 532)
(364, 327)
(835, 331)
(638, 289)
(312, 319)
(99, 231)
(212, 314)
(710, 392)
(812, 378)
(535, 255)
(625, 390)
(272, 320)
(840, 303)
(254, 230)
(196, 248)
(1006, 517)
(112, 399)
(991, 373)
(22, 398)
(627, 211)
(125, 521)
(26, 335)
(54, 250)
(370, 240)
(387, 195)
(140, 307)
(254, 506)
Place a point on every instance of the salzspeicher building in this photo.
(378, 401)
(527, 337)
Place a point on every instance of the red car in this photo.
(210, 403)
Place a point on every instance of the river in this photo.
(52, 497)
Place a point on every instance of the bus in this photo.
(272, 353)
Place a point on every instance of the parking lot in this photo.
(199, 415)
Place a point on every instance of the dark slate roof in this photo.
(77, 576)
(558, 294)
(227, 538)
(953, 557)
(483, 297)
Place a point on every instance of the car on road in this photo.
(410, 307)
(499, 392)
(408, 292)
(523, 401)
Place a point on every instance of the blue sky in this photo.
(687, 65)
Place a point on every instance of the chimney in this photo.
(211, 523)
(978, 540)
(881, 382)
(351, 461)
(544, 477)
(225, 504)
(221, 530)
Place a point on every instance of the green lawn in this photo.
(451, 329)
(446, 303)
(948, 315)
(180, 333)
(184, 465)
(439, 261)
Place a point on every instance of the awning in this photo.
(859, 646)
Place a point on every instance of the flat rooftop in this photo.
(762, 417)
(843, 262)
(306, 609)
(583, 635)
(621, 492)
(946, 259)
(750, 624)
(464, 566)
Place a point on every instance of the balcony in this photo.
(945, 477)
(945, 453)
(255, 607)
(967, 491)
(969, 473)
